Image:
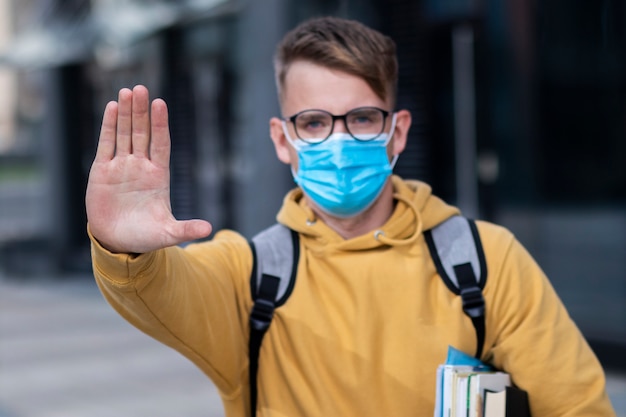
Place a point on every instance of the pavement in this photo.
(64, 352)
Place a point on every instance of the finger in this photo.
(160, 137)
(124, 122)
(106, 142)
(140, 121)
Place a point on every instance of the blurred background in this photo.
(519, 112)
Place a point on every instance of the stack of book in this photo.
(477, 391)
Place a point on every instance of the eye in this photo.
(361, 120)
(364, 117)
(313, 122)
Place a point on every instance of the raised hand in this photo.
(128, 193)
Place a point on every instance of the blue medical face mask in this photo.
(342, 175)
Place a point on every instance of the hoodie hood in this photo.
(416, 210)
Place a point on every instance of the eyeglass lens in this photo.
(363, 124)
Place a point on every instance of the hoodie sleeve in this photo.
(533, 338)
(191, 299)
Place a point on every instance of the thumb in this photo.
(186, 230)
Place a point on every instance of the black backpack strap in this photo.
(275, 253)
(260, 319)
(458, 255)
(473, 302)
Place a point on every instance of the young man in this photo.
(369, 319)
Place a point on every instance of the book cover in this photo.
(478, 383)
(510, 402)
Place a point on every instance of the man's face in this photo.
(310, 86)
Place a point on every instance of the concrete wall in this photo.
(260, 179)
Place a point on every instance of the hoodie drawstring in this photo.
(379, 235)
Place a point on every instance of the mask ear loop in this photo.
(294, 174)
(286, 132)
(392, 164)
(392, 130)
(389, 137)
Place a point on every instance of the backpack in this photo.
(454, 246)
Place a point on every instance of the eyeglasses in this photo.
(362, 123)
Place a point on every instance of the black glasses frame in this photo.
(334, 117)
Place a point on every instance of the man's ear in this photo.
(403, 124)
(281, 145)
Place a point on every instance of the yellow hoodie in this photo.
(367, 323)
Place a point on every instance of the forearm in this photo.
(181, 299)
(539, 344)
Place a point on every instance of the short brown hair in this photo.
(344, 45)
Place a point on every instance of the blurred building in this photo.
(7, 84)
(518, 107)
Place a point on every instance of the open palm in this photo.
(128, 193)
